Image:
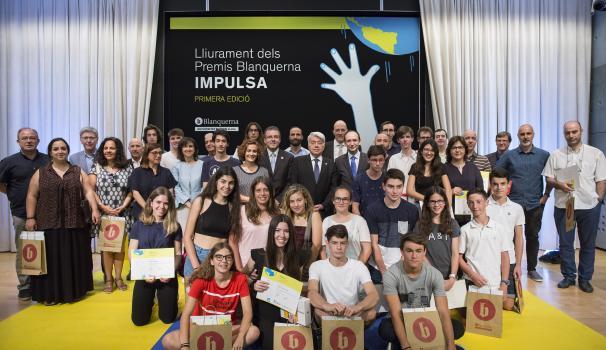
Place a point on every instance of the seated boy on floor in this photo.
(483, 247)
(335, 283)
(410, 283)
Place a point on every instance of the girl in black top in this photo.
(280, 254)
(427, 172)
(214, 217)
(158, 228)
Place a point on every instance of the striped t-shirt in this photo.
(214, 300)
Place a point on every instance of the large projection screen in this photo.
(226, 70)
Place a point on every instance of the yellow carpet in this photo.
(102, 321)
(540, 326)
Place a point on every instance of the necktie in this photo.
(272, 159)
(354, 168)
(316, 169)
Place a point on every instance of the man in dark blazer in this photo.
(503, 140)
(353, 156)
(279, 163)
(332, 148)
(316, 173)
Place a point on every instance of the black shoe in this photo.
(585, 286)
(25, 295)
(565, 283)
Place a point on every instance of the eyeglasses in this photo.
(341, 199)
(457, 147)
(156, 153)
(437, 203)
(88, 138)
(28, 138)
(228, 258)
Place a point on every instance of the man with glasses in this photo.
(15, 173)
(209, 145)
(85, 159)
(389, 128)
(589, 164)
(425, 133)
(278, 163)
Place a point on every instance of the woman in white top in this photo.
(188, 173)
(357, 230)
(255, 217)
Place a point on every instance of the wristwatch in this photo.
(505, 282)
(453, 276)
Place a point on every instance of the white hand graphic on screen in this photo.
(354, 88)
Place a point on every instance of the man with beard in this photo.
(295, 139)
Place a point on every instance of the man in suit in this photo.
(337, 147)
(276, 161)
(135, 148)
(317, 173)
(503, 140)
(85, 159)
(353, 162)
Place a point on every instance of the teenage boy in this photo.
(221, 158)
(367, 186)
(410, 284)
(484, 246)
(170, 158)
(388, 220)
(335, 283)
(511, 216)
(407, 156)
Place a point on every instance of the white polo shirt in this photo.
(509, 215)
(592, 169)
(482, 246)
(403, 163)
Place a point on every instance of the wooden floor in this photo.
(590, 309)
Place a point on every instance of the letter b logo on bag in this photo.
(111, 232)
(342, 338)
(29, 252)
(484, 310)
(210, 341)
(293, 340)
(424, 330)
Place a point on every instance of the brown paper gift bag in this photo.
(485, 311)
(518, 301)
(342, 333)
(210, 337)
(570, 213)
(33, 253)
(111, 233)
(423, 328)
(292, 337)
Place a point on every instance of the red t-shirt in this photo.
(214, 300)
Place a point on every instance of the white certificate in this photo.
(569, 175)
(283, 292)
(456, 295)
(152, 263)
(460, 204)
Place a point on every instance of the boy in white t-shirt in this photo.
(335, 283)
(511, 216)
(485, 246)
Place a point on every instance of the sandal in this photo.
(109, 286)
(121, 285)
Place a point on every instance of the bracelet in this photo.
(33, 218)
(184, 345)
(452, 275)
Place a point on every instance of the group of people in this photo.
(342, 220)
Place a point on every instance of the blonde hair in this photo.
(170, 219)
(293, 189)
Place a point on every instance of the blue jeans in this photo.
(201, 253)
(587, 224)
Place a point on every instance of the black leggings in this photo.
(143, 301)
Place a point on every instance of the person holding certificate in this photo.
(441, 233)
(157, 228)
(280, 254)
(462, 174)
(217, 289)
(214, 217)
